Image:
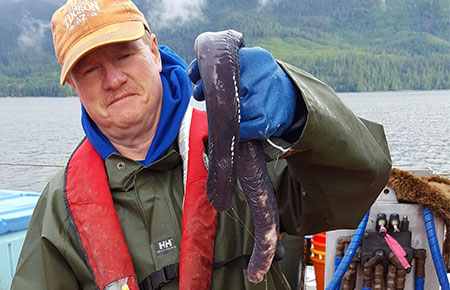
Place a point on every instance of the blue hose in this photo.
(337, 261)
(435, 250)
(419, 283)
(335, 282)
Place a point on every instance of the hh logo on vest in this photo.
(165, 246)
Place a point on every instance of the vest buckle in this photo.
(160, 278)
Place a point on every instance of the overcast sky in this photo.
(164, 14)
(32, 31)
(175, 13)
(58, 2)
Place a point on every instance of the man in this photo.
(112, 219)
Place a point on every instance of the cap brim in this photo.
(118, 32)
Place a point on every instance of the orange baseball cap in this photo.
(80, 26)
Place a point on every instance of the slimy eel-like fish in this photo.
(218, 60)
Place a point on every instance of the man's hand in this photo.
(267, 96)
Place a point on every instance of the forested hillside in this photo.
(353, 45)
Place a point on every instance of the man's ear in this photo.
(155, 51)
(72, 84)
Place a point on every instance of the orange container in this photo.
(321, 238)
(318, 246)
(319, 270)
(318, 254)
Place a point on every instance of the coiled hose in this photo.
(335, 282)
(337, 261)
(435, 250)
(419, 283)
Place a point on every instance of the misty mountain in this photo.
(351, 44)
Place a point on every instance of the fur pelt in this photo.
(432, 191)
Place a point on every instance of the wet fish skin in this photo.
(218, 60)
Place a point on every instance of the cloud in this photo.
(262, 3)
(58, 2)
(32, 31)
(175, 13)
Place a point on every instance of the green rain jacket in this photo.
(327, 180)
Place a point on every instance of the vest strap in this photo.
(91, 209)
(199, 221)
(241, 262)
(160, 278)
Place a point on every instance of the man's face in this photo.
(120, 86)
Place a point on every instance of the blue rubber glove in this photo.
(268, 98)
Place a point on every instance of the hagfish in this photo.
(263, 207)
(218, 60)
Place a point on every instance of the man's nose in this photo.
(113, 77)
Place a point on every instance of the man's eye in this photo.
(123, 56)
(89, 70)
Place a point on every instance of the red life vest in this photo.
(91, 208)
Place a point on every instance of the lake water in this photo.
(45, 131)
